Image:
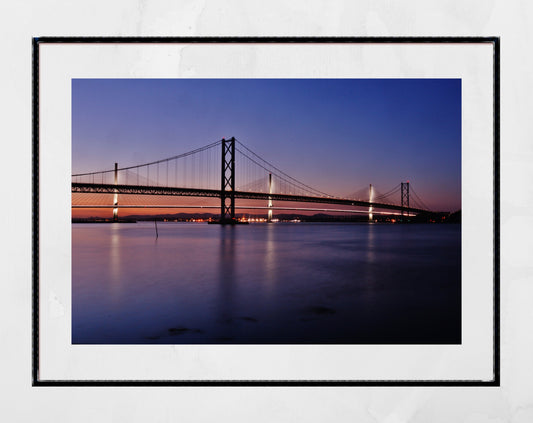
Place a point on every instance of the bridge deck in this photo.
(78, 187)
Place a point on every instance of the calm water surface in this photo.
(291, 283)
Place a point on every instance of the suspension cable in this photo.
(205, 147)
(280, 171)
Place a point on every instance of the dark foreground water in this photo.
(289, 283)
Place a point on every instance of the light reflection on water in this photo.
(116, 262)
(266, 283)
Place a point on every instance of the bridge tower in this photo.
(269, 219)
(115, 196)
(405, 198)
(370, 199)
(227, 178)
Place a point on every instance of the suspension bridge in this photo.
(227, 170)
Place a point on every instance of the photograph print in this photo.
(266, 211)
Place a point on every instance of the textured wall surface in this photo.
(510, 20)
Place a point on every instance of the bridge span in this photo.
(89, 188)
(281, 188)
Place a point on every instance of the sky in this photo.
(336, 135)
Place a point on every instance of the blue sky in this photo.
(337, 135)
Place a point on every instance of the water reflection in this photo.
(270, 259)
(226, 273)
(116, 279)
(271, 283)
(370, 248)
(370, 244)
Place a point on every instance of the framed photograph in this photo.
(266, 211)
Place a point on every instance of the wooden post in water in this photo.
(156, 233)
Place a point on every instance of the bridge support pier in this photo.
(115, 196)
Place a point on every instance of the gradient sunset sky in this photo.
(336, 135)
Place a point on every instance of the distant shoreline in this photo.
(206, 217)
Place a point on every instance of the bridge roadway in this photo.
(78, 187)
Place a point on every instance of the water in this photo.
(284, 283)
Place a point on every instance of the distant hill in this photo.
(454, 217)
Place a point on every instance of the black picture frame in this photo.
(38, 41)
